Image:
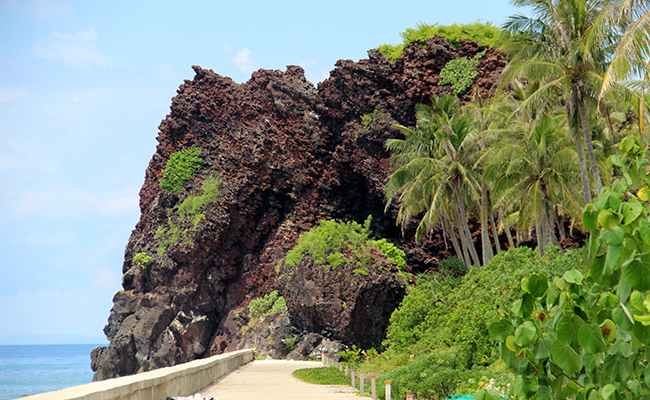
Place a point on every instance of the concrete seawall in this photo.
(179, 380)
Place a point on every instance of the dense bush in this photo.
(460, 73)
(485, 34)
(210, 190)
(586, 336)
(327, 242)
(180, 167)
(142, 260)
(267, 305)
(447, 319)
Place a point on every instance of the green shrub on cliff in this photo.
(180, 167)
(328, 242)
(460, 73)
(267, 305)
(190, 210)
(142, 260)
(484, 33)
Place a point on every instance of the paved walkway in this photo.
(272, 380)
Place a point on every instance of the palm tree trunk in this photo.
(588, 142)
(448, 226)
(495, 233)
(506, 229)
(463, 240)
(464, 226)
(584, 174)
(560, 226)
(488, 254)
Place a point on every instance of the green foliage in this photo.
(361, 272)
(328, 242)
(190, 210)
(366, 119)
(453, 266)
(290, 342)
(322, 376)
(267, 305)
(437, 313)
(394, 253)
(210, 189)
(584, 336)
(485, 34)
(352, 354)
(180, 167)
(460, 73)
(142, 260)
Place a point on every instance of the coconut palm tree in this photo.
(433, 173)
(555, 48)
(534, 170)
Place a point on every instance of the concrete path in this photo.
(272, 380)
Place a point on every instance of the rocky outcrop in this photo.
(289, 155)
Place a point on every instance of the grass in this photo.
(322, 376)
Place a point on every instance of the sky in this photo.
(83, 88)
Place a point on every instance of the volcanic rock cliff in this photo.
(289, 155)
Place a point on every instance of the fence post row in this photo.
(361, 382)
(388, 390)
(373, 384)
(373, 387)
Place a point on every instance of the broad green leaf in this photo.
(536, 285)
(617, 368)
(631, 211)
(637, 272)
(484, 395)
(647, 375)
(644, 194)
(622, 348)
(501, 329)
(565, 357)
(634, 386)
(608, 300)
(594, 245)
(531, 384)
(518, 387)
(524, 334)
(613, 237)
(621, 319)
(591, 338)
(573, 276)
(552, 296)
(644, 230)
(642, 333)
(636, 299)
(608, 392)
(612, 259)
(542, 349)
(597, 272)
(608, 220)
(608, 328)
(511, 345)
(590, 218)
(615, 160)
(568, 327)
(524, 306)
(544, 393)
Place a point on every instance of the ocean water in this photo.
(31, 369)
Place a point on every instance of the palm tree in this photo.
(433, 173)
(555, 48)
(534, 170)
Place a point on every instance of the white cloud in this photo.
(79, 51)
(10, 94)
(244, 62)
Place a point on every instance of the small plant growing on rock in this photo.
(180, 167)
(267, 305)
(366, 119)
(290, 342)
(142, 260)
(460, 73)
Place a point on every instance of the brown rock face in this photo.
(289, 155)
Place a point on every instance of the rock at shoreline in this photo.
(289, 155)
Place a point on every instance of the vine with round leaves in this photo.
(586, 336)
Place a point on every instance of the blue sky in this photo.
(83, 88)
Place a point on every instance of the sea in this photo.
(31, 369)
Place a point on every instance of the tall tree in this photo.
(433, 172)
(554, 47)
(534, 170)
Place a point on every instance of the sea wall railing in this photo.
(179, 380)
